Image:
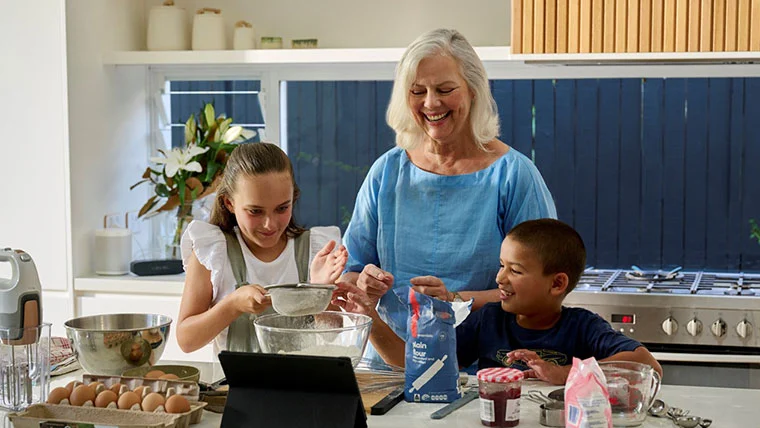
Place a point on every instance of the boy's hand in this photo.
(252, 299)
(328, 265)
(374, 282)
(544, 370)
(431, 286)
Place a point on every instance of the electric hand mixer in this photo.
(24, 339)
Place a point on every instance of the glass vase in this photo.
(176, 228)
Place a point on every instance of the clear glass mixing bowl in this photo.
(327, 334)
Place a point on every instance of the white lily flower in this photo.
(232, 134)
(247, 134)
(178, 159)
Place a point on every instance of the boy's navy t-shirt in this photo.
(487, 335)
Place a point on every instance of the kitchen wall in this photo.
(75, 133)
(34, 208)
(108, 118)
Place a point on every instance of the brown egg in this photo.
(58, 394)
(94, 385)
(128, 399)
(142, 391)
(177, 404)
(81, 394)
(73, 384)
(116, 388)
(154, 374)
(169, 376)
(105, 398)
(152, 401)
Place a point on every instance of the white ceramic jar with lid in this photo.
(167, 28)
(244, 36)
(208, 30)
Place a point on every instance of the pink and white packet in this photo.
(587, 401)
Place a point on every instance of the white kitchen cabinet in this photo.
(110, 303)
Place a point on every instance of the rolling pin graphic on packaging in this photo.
(428, 374)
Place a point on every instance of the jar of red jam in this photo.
(500, 389)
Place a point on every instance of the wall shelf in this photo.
(392, 55)
(131, 284)
(378, 63)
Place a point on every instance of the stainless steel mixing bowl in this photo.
(112, 343)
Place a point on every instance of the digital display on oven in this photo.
(624, 318)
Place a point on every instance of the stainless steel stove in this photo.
(688, 308)
(704, 326)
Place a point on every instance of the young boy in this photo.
(541, 262)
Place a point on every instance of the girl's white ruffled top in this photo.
(208, 243)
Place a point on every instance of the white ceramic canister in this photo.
(167, 28)
(244, 37)
(112, 252)
(208, 30)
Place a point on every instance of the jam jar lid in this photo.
(500, 374)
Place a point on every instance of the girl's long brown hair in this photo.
(250, 160)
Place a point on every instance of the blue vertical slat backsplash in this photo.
(629, 188)
(736, 230)
(564, 188)
(652, 172)
(608, 173)
(673, 197)
(750, 173)
(586, 133)
(522, 107)
(718, 169)
(544, 141)
(695, 182)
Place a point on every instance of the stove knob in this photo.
(670, 326)
(694, 327)
(744, 329)
(718, 328)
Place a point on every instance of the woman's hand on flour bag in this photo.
(328, 265)
(538, 368)
(431, 286)
(251, 299)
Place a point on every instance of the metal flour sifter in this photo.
(24, 338)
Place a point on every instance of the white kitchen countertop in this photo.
(727, 407)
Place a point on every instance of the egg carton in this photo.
(54, 414)
(189, 390)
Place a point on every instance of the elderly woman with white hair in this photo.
(433, 210)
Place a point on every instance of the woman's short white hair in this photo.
(484, 117)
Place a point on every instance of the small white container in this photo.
(271, 43)
(112, 252)
(208, 30)
(167, 29)
(244, 38)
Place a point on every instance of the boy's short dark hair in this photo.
(558, 246)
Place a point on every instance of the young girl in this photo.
(252, 240)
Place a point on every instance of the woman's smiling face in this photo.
(440, 99)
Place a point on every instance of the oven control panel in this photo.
(687, 326)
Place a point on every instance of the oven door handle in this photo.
(706, 358)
